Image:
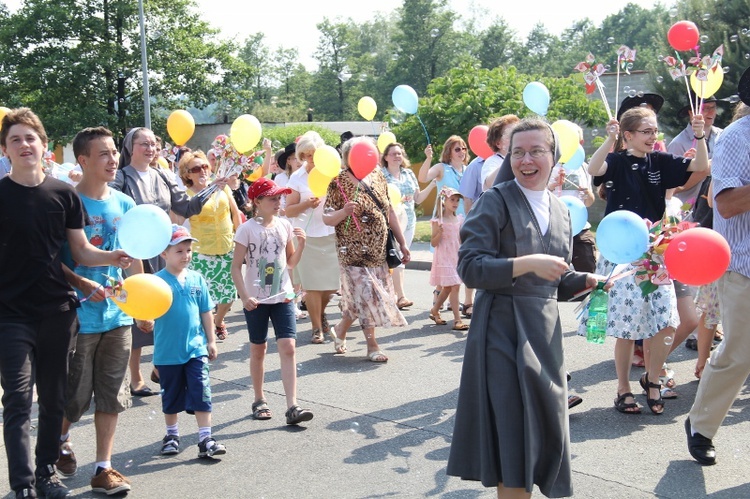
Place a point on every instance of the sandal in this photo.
(261, 411)
(625, 407)
(324, 323)
(339, 345)
(221, 331)
(296, 414)
(317, 336)
(646, 385)
(667, 393)
(574, 400)
(460, 326)
(436, 317)
(377, 356)
(718, 335)
(403, 303)
(668, 378)
(468, 310)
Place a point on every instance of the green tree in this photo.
(63, 59)
(257, 56)
(498, 45)
(469, 95)
(329, 96)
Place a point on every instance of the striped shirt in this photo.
(731, 168)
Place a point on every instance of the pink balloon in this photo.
(683, 35)
(697, 256)
(363, 158)
(478, 142)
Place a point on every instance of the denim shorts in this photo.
(282, 317)
(185, 387)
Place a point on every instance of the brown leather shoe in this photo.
(66, 464)
(110, 481)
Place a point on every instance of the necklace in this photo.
(545, 245)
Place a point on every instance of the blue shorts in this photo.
(282, 317)
(185, 387)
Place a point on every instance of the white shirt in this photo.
(539, 201)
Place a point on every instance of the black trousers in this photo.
(34, 352)
(584, 251)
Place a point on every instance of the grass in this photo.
(423, 231)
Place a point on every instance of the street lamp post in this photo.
(144, 68)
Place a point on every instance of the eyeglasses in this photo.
(534, 153)
(649, 132)
(147, 145)
(459, 149)
(198, 169)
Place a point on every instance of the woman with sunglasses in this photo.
(448, 173)
(214, 229)
(147, 185)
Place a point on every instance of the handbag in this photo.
(392, 258)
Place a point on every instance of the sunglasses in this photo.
(198, 169)
(459, 149)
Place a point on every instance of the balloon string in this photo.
(346, 200)
(425, 130)
(374, 131)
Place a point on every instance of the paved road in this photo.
(385, 430)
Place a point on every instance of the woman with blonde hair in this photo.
(214, 229)
(318, 267)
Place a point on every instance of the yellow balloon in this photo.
(245, 133)
(567, 138)
(180, 126)
(705, 89)
(318, 182)
(367, 108)
(327, 161)
(394, 195)
(144, 297)
(3, 112)
(384, 140)
(255, 175)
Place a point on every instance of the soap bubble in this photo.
(434, 32)
(747, 56)
(734, 99)
(673, 12)
(726, 69)
(629, 66)
(354, 427)
(632, 93)
(258, 220)
(704, 38)
(594, 132)
(626, 89)
(608, 184)
(129, 463)
(612, 129)
(640, 94)
(681, 246)
(611, 40)
(734, 38)
(659, 79)
(342, 250)
(668, 340)
(634, 166)
(706, 16)
(365, 219)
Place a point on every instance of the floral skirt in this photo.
(217, 270)
(630, 315)
(367, 293)
(707, 302)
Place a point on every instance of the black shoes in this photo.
(700, 447)
(48, 484)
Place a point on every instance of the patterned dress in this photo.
(445, 259)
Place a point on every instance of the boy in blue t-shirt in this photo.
(184, 342)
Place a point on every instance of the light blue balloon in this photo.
(622, 237)
(536, 97)
(579, 215)
(144, 231)
(576, 160)
(405, 99)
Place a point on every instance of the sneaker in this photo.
(48, 484)
(26, 493)
(66, 464)
(210, 448)
(170, 445)
(110, 481)
(691, 343)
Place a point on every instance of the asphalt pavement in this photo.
(384, 430)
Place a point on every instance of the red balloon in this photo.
(697, 256)
(683, 35)
(363, 158)
(478, 142)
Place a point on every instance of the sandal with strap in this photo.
(467, 310)
(625, 407)
(646, 384)
(296, 415)
(435, 316)
(261, 411)
(324, 324)
(460, 326)
(317, 336)
(339, 345)
(221, 331)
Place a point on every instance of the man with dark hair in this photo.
(102, 350)
(38, 322)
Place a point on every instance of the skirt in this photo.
(367, 294)
(217, 270)
(630, 315)
(319, 265)
(707, 302)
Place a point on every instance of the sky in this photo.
(294, 27)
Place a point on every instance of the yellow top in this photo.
(213, 227)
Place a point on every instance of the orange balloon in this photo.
(144, 297)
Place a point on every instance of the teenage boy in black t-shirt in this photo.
(38, 322)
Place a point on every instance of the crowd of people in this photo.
(498, 229)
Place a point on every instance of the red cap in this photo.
(266, 187)
(179, 234)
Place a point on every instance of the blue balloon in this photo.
(579, 215)
(144, 231)
(405, 99)
(536, 97)
(622, 237)
(576, 160)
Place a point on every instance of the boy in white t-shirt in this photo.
(264, 244)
